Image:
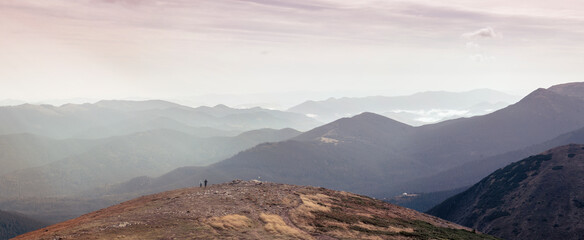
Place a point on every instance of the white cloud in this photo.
(472, 45)
(487, 32)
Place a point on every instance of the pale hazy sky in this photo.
(169, 49)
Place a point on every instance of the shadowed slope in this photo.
(13, 224)
(540, 197)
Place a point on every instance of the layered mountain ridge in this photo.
(114, 117)
(117, 159)
(374, 155)
(416, 109)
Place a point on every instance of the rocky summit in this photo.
(255, 210)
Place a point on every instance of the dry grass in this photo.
(302, 216)
(234, 221)
(316, 202)
(385, 229)
(350, 234)
(324, 214)
(290, 201)
(312, 203)
(274, 224)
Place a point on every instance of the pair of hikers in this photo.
(201, 183)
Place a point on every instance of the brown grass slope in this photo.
(540, 197)
(255, 210)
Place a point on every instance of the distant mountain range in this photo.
(374, 155)
(539, 197)
(75, 166)
(417, 109)
(471, 172)
(49, 151)
(114, 118)
(367, 153)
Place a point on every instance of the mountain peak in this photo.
(549, 96)
(365, 127)
(574, 89)
(254, 210)
(537, 92)
(221, 106)
(369, 117)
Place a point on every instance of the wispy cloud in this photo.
(487, 32)
(478, 53)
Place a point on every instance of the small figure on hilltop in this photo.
(200, 183)
(205, 182)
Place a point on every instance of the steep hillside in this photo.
(574, 89)
(269, 135)
(540, 197)
(13, 224)
(255, 210)
(540, 116)
(472, 172)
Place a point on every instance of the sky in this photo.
(283, 51)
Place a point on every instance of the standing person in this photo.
(200, 183)
(205, 182)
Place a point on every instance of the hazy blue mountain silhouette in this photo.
(115, 118)
(121, 158)
(409, 108)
